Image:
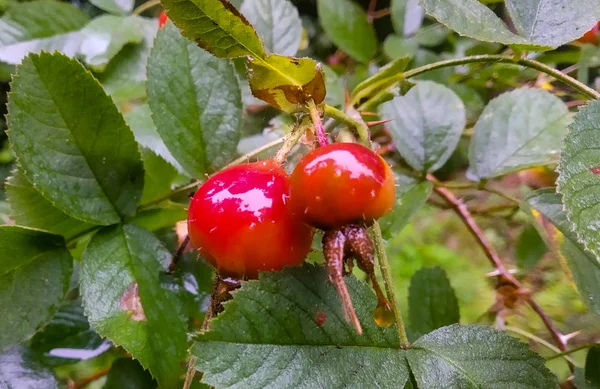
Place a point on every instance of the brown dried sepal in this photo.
(342, 246)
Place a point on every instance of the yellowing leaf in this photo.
(286, 83)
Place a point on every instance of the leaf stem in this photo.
(290, 141)
(571, 351)
(145, 6)
(258, 150)
(388, 282)
(190, 373)
(315, 116)
(494, 58)
(501, 194)
(173, 193)
(541, 341)
(343, 117)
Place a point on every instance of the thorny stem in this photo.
(463, 212)
(340, 116)
(315, 116)
(493, 58)
(556, 334)
(388, 282)
(145, 6)
(290, 141)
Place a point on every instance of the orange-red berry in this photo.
(340, 184)
(241, 221)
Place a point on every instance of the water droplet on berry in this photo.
(383, 314)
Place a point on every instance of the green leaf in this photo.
(530, 248)
(146, 134)
(127, 373)
(592, 367)
(432, 35)
(277, 22)
(396, 47)
(106, 35)
(580, 381)
(411, 195)
(39, 25)
(475, 356)
(517, 130)
(124, 78)
(158, 176)
(30, 209)
(345, 22)
(552, 22)
(579, 176)
(35, 269)
(474, 20)
(431, 301)
(68, 329)
(546, 206)
(382, 79)
(125, 301)
(39, 19)
(118, 7)
(67, 149)
(200, 120)
(473, 101)
(216, 26)
(268, 336)
(426, 124)
(286, 83)
(19, 366)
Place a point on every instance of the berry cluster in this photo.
(256, 217)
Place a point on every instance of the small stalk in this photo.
(388, 282)
(342, 117)
(315, 116)
(290, 141)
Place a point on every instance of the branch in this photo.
(491, 58)
(463, 212)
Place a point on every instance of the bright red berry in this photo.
(240, 221)
(162, 19)
(340, 184)
(591, 36)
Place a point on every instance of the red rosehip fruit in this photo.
(341, 184)
(591, 36)
(162, 19)
(241, 222)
